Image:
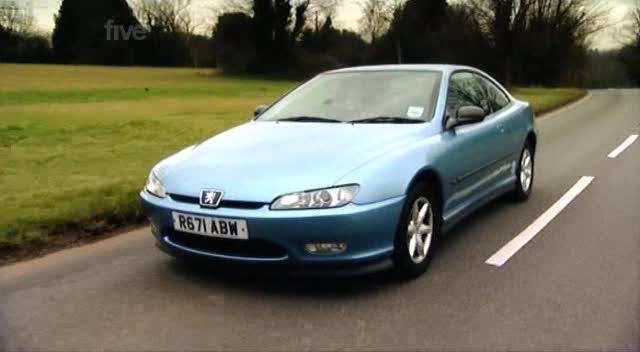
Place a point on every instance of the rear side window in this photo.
(469, 89)
(496, 99)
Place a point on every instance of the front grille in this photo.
(185, 199)
(223, 204)
(237, 248)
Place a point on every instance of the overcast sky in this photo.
(349, 13)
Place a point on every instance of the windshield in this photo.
(380, 96)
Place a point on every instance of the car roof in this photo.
(412, 67)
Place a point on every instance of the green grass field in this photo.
(545, 100)
(77, 142)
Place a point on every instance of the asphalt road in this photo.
(575, 286)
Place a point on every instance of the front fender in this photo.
(390, 175)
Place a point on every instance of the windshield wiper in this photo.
(388, 119)
(310, 119)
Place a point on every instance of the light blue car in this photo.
(356, 170)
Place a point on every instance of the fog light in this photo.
(326, 248)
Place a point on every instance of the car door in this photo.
(473, 152)
(497, 105)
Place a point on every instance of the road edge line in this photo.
(512, 247)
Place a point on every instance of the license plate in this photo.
(211, 227)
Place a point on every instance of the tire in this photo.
(525, 174)
(409, 261)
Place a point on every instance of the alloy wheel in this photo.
(420, 230)
(526, 170)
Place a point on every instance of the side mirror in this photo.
(259, 110)
(466, 115)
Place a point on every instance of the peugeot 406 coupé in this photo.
(356, 170)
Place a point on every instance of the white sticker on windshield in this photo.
(415, 112)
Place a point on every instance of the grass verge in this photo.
(77, 142)
(545, 100)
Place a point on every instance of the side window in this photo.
(468, 89)
(464, 90)
(495, 98)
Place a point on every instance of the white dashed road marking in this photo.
(511, 248)
(626, 144)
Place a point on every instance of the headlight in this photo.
(320, 199)
(155, 186)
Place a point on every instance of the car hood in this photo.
(260, 161)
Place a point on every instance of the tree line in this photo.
(19, 41)
(525, 42)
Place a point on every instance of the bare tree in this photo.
(635, 23)
(229, 6)
(629, 33)
(16, 17)
(321, 10)
(218, 8)
(376, 17)
(172, 16)
(301, 9)
(171, 38)
(506, 21)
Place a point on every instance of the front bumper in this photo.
(368, 230)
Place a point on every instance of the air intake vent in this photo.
(247, 249)
(232, 204)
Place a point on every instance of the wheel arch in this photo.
(430, 176)
(532, 140)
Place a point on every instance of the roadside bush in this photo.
(312, 64)
(630, 57)
(29, 48)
